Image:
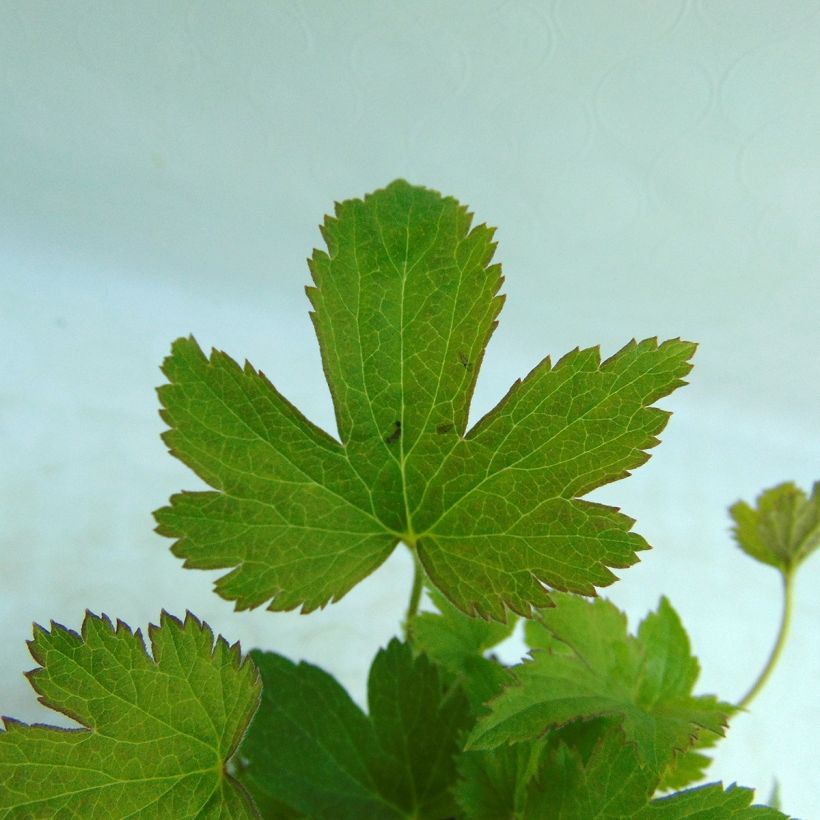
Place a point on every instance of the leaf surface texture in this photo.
(158, 730)
(312, 749)
(782, 529)
(404, 301)
(588, 666)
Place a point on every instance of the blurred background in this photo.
(653, 169)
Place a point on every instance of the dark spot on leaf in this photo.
(444, 428)
(465, 362)
(394, 436)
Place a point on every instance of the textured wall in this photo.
(653, 167)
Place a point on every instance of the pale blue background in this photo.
(653, 167)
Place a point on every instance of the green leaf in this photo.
(158, 731)
(404, 302)
(282, 515)
(500, 782)
(614, 783)
(493, 784)
(312, 749)
(600, 670)
(457, 643)
(691, 766)
(783, 529)
(709, 802)
(449, 637)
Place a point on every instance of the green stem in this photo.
(779, 643)
(415, 595)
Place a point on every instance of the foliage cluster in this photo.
(595, 723)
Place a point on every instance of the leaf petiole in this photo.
(780, 642)
(415, 596)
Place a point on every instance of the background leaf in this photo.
(783, 529)
(313, 750)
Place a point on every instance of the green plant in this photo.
(596, 724)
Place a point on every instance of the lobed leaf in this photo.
(783, 529)
(158, 730)
(404, 302)
(458, 644)
(593, 668)
(494, 784)
(312, 750)
(289, 514)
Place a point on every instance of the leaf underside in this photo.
(404, 302)
(157, 730)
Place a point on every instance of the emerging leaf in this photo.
(783, 529)
(594, 668)
(457, 643)
(158, 731)
(691, 766)
(310, 748)
(404, 302)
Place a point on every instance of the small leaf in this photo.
(313, 750)
(600, 670)
(405, 300)
(783, 529)
(157, 731)
(458, 644)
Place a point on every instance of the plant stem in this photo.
(415, 595)
(779, 643)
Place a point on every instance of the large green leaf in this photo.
(404, 302)
(310, 748)
(158, 731)
(589, 667)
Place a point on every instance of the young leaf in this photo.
(457, 643)
(312, 749)
(783, 529)
(599, 670)
(158, 731)
(404, 302)
(449, 637)
(614, 783)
